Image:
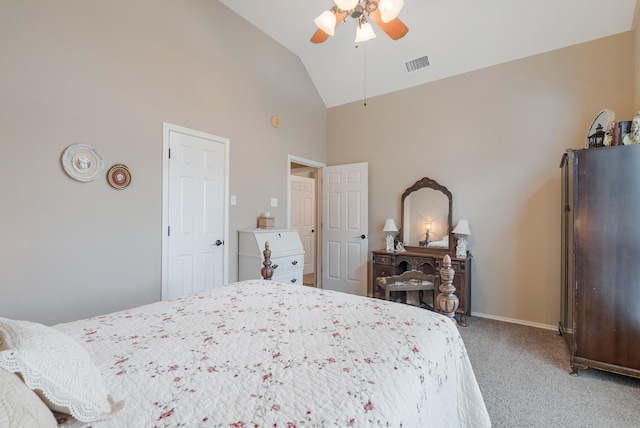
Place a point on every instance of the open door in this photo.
(303, 218)
(345, 228)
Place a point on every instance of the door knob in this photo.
(361, 237)
(218, 243)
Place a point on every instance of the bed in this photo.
(255, 353)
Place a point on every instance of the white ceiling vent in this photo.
(417, 64)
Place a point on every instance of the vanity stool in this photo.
(411, 280)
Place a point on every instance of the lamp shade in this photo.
(389, 226)
(326, 22)
(364, 33)
(462, 228)
(389, 9)
(346, 4)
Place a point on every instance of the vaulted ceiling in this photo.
(457, 36)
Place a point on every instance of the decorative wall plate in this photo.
(604, 121)
(82, 162)
(119, 176)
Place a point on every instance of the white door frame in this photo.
(166, 129)
(312, 164)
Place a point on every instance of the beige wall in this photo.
(637, 55)
(494, 138)
(109, 73)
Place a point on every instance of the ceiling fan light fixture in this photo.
(326, 22)
(390, 9)
(346, 4)
(364, 32)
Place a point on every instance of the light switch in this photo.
(274, 202)
(233, 199)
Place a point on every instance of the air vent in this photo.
(417, 64)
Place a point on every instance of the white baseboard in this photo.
(515, 321)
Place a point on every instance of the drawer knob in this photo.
(294, 279)
(295, 262)
(274, 266)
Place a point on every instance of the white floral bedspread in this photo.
(267, 354)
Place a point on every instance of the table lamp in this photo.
(462, 230)
(390, 229)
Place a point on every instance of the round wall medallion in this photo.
(119, 176)
(82, 162)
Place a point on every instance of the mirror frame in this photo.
(428, 183)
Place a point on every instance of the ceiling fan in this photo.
(383, 12)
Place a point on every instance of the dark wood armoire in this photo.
(600, 296)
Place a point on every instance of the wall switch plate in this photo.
(233, 199)
(274, 202)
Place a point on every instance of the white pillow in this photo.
(57, 368)
(20, 406)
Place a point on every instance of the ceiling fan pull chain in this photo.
(365, 74)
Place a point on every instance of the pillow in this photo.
(20, 406)
(57, 368)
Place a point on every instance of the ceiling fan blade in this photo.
(320, 36)
(394, 28)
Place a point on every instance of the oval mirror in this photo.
(426, 216)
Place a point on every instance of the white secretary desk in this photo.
(287, 254)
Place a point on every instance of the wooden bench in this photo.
(411, 280)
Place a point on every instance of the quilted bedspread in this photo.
(266, 354)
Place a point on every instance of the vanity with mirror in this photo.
(426, 234)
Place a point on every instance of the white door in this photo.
(195, 220)
(303, 207)
(345, 228)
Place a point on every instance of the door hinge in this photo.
(168, 230)
(169, 153)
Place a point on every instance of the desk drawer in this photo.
(382, 259)
(293, 277)
(287, 263)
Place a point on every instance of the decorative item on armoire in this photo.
(635, 128)
(462, 230)
(390, 229)
(601, 131)
(82, 162)
(622, 134)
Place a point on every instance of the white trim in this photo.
(515, 321)
(166, 129)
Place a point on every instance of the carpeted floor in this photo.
(523, 373)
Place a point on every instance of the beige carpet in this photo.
(523, 373)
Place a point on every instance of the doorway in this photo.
(304, 213)
(341, 223)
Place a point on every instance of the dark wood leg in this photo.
(463, 320)
(575, 368)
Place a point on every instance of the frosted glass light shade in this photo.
(365, 32)
(462, 228)
(346, 4)
(389, 226)
(326, 22)
(389, 9)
